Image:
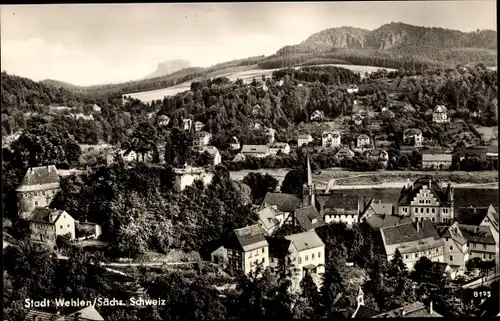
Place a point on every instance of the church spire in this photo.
(308, 189)
(309, 173)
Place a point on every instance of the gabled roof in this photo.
(363, 136)
(43, 316)
(201, 134)
(278, 145)
(247, 238)
(41, 177)
(345, 152)
(471, 215)
(305, 241)
(278, 247)
(417, 309)
(412, 131)
(408, 194)
(262, 149)
(426, 157)
(440, 109)
(284, 202)
(309, 218)
(43, 215)
(304, 137)
(268, 218)
(477, 234)
(376, 153)
(404, 233)
(338, 200)
(382, 221)
(365, 312)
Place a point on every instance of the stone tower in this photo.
(308, 188)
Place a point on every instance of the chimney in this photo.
(431, 309)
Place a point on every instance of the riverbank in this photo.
(338, 178)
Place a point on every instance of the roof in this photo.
(262, 149)
(42, 316)
(42, 177)
(383, 221)
(440, 109)
(247, 238)
(365, 312)
(268, 218)
(440, 266)
(363, 136)
(412, 131)
(407, 232)
(376, 153)
(436, 157)
(417, 309)
(304, 137)
(87, 313)
(477, 234)
(382, 208)
(339, 200)
(408, 194)
(305, 241)
(309, 218)
(284, 202)
(43, 214)
(278, 247)
(344, 152)
(471, 215)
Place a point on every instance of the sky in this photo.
(109, 43)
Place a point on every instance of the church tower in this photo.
(308, 188)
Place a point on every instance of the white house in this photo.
(317, 115)
(198, 126)
(163, 120)
(304, 140)
(362, 141)
(214, 152)
(307, 255)
(247, 248)
(235, 143)
(187, 124)
(413, 136)
(270, 218)
(186, 176)
(440, 114)
(274, 148)
(330, 139)
(352, 89)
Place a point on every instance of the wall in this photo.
(27, 201)
(482, 251)
(42, 232)
(435, 254)
(348, 218)
(260, 255)
(436, 165)
(299, 260)
(452, 248)
(65, 224)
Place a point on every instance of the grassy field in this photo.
(488, 132)
(246, 73)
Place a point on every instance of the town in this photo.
(309, 191)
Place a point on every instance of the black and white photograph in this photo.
(250, 160)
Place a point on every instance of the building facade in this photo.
(330, 139)
(440, 114)
(259, 151)
(247, 248)
(38, 189)
(436, 161)
(425, 199)
(304, 140)
(46, 224)
(362, 141)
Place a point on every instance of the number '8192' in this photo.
(482, 294)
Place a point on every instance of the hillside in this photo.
(168, 67)
(395, 43)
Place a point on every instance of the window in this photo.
(433, 210)
(451, 248)
(421, 210)
(427, 210)
(272, 260)
(300, 260)
(416, 254)
(36, 203)
(306, 258)
(312, 256)
(68, 225)
(421, 202)
(319, 255)
(490, 257)
(474, 245)
(61, 226)
(263, 259)
(406, 256)
(484, 246)
(484, 256)
(263, 249)
(433, 219)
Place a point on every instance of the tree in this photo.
(309, 307)
(260, 184)
(181, 147)
(63, 242)
(294, 181)
(45, 145)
